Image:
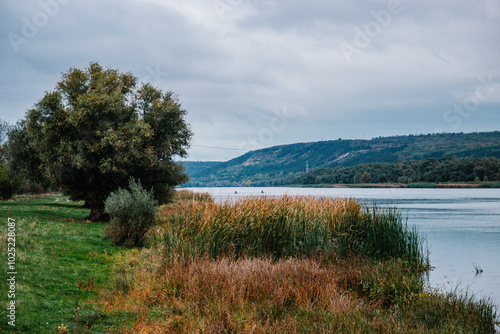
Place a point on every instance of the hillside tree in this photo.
(97, 129)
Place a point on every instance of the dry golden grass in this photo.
(261, 295)
(172, 288)
(188, 195)
(245, 295)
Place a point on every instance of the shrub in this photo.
(132, 214)
(32, 189)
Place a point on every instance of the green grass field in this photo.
(61, 261)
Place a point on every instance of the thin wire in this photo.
(221, 148)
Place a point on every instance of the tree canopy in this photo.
(97, 129)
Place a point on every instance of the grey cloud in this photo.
(233, 69)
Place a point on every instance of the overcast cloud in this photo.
(253, 74)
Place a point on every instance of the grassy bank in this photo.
(61, 262)
(281, 265)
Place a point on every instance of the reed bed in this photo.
(302, 227)
(188, 195)
(286, 265)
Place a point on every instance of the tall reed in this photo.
(187, 195)
(283, 227)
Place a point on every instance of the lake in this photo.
(461, 227)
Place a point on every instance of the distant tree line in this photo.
(449, 169)
(280, 165)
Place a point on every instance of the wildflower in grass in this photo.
(63, 329)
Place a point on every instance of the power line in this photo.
(221, 148)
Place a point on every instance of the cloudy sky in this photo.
(254, 74)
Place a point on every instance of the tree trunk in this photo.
(98, 215)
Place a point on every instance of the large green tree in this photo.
(98, 129)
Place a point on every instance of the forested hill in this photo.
(270, 166)
(195, 167)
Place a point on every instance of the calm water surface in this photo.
(461, 226)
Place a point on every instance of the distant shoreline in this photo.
(481, 185)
